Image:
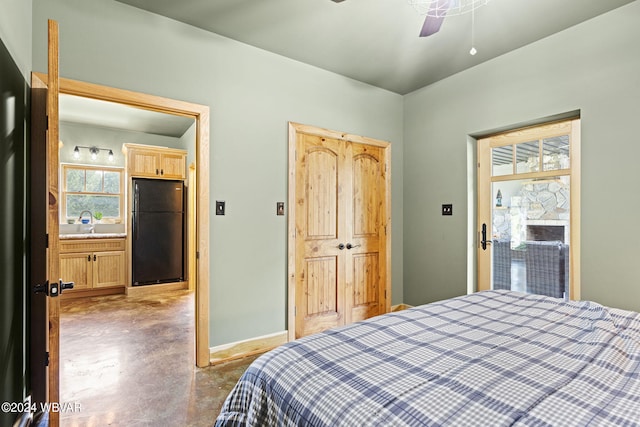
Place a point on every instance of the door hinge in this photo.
(46, 123)
(197, 254)
(46, 240)
(46, 359)
(295, 311)
(385, 294)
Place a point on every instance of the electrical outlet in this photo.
(447, 209)
(219, 207)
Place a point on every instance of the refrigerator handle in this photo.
(136, 214)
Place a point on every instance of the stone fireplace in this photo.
(548, 232)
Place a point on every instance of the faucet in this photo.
(84, 212)
(91, 227)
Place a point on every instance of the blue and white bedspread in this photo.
(494, 358)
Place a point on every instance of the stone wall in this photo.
(538, 203)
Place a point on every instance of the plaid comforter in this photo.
(494, 358)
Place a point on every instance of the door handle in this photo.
(42, 288)
(341, 246)
(52, 289)
(65, 285)
(484, 242)
(350, 246)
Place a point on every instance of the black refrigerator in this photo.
(158, 231)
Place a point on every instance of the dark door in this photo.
(38, 253)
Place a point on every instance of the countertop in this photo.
(92, 236)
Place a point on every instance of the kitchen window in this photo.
(99, 190)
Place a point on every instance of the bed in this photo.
(493, 358)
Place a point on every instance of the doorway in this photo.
(528, 210)
(339, 229)
(45, 127)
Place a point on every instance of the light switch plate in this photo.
(279, 208)
(219, 207)
(447, 209)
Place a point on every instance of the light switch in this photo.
(279, 208)
(219, 207)
(447, 209)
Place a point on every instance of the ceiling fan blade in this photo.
(431, 25)
(437, 12)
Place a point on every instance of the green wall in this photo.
(72, 134)
(593, 68)
(252, 95)
(15, 32)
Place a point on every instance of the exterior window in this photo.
(96, 189)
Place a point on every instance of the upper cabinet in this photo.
(155, 162)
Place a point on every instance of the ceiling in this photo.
(76, 109)
(377, 42)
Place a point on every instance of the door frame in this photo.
(484, 200)
(294, 130)
(200, 113)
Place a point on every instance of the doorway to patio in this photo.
(528, 210)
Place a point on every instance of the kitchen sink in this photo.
(91, 229)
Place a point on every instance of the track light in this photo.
(93, 151)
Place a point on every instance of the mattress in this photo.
(497, 358)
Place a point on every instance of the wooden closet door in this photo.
(340, 261)
(320, 229)
(365, 247)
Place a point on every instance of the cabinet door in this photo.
(173, 166)
(144, 163)
(76, 268)
(109, 269)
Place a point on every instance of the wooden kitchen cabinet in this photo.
(93, 264)
(149, 161)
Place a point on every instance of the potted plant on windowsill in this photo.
(97, 216)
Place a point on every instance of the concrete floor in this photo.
(131, 362)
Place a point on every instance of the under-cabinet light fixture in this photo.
(94, 151)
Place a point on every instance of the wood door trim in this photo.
(53, 225)
(200, 113)
(294, 130)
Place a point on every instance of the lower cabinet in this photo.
(93, 264)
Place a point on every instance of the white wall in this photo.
(252, 95)
(593, 67)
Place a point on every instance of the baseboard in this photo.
(239, 349)
(157, 288)
(97, 292)
(400, 307)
